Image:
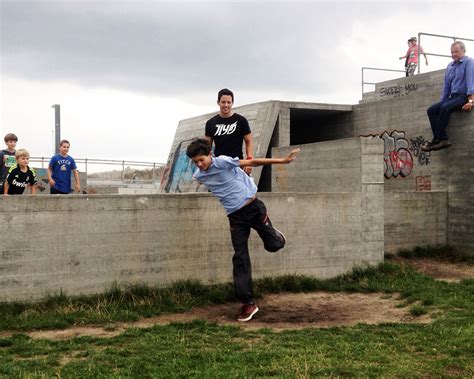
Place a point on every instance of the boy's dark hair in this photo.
(225, 91)
(198, 146)
(10, 137)
(64, 141)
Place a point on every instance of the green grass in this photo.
(441, 252)
(443, 348)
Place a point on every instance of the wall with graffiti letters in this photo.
(401, 154)
(178, 174)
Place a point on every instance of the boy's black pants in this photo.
(253, 215)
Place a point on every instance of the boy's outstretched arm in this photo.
(268, 161)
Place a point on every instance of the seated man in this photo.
(457, 94)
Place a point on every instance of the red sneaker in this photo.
(246, 312)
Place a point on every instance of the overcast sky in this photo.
(125, 72)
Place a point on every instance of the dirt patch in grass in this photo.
(439, 269)
(277, 311)
(293, 310)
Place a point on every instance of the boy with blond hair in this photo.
(20, 175)
(7, 157)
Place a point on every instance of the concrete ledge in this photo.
(84, 244)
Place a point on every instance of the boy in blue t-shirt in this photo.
(236, 191)
(59, 171)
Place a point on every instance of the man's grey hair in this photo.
(461, 45)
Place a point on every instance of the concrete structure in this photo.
(428, 196)
(85, 244)
(361, 186)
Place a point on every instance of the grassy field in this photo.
(443, 348)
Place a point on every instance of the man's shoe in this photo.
(443, 144)
(282, 236)
(427, 146)
(247, 311)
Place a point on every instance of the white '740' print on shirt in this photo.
(223, 129)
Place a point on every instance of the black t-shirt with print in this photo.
(228, 134)
(7, 160)
(18, 180)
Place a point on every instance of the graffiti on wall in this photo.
(423, 157)
(397, 91)
(397, 159)
(423, 183)
(178, 171)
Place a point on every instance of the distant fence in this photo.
(128, 168)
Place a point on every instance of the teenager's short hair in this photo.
(198, 146)
(10, 137)
(223, 92)
(22, 153)
(64, 141)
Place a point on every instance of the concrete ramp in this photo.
(271, 127)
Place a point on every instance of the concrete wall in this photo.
(415, 219)
(270, 125)
(410, 218)
(178, 171)
(398, 109)
(83, 244)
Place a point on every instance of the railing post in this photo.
(86, 167)
(362, 82)
(154, 175)
(123, 171)
(418, 53)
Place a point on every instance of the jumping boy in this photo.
(59, 171)
(225, 178)
(7, 157)
(20, 175)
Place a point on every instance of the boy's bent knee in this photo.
(273, 248)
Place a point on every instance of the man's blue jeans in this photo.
(439, 114)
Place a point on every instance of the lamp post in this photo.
(57, 126)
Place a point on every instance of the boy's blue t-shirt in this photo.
(61, 168)
(228, 182)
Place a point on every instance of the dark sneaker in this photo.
(247, 311)
(427, 146)
(443, 144)
(434, 146)
(282, 236)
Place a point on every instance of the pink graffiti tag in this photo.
(398, 160)
(401, 162)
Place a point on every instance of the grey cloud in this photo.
(171, 48)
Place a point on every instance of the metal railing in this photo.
(125, 165)
(440, 36)
(376, 69)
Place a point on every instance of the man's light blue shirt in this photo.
(228, 182)
(459, 78)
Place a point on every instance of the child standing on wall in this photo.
(225, 178)
(20, 175)
(7, 157)
(411, 56)
(59, 171)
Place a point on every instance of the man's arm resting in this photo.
(248, 151)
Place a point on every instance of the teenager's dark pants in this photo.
(439, 114)
(253, 215)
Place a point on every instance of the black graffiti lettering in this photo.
(410, 87)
